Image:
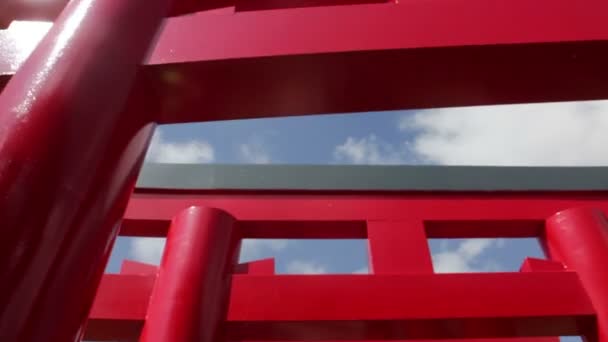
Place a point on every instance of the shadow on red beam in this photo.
(372, 81)
(377, 80)
(359, 307)
(267, 229)
(483, 228)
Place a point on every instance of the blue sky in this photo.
(546, 134)
(556, 134)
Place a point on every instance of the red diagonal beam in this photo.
(373, 307)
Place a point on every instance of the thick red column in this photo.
(579, 238)
(190, 298)
(69, 157)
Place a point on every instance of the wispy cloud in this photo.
(305, 267)
(150, 250)
(188, 152)
(467, 256)
(252, 249)
(254, 153)
(369, 150)
(562, 134)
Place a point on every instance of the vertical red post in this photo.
(398, 247)
(69, 157)
(190, 298)
(579, 238)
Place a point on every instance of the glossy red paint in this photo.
(370, 306)
(309, 214)
(578, 237)
(541, 265)
(69, 160)
(398, 247)
(190, 296)
(121, 302)
(471, 54)
(403, 292)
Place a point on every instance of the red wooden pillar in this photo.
(579, 238)
(69, 157)
(190, 298)
(398, 247)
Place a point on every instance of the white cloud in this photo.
(254, 152)
(466, 257)
(189, 152)
(561, 134)
(252, 249)
(368, 150)
(305, 267)
(362, 270)
(149, 250)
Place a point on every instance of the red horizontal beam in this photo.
(372, 307)
(414, 54)
(322, 215)
(406, 307)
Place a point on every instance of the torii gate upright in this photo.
(77, 114)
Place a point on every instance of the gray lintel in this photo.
(370, 178)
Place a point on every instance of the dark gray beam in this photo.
(381, 178)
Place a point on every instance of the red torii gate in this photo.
(77, 115)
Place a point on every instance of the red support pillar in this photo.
(190, 298)
(69, 158)
(579, 238)
(398, 247)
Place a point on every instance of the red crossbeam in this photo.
(372, 306)
(414, 54)
(454, 215)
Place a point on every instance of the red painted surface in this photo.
(69, 158)
(190, 296)
(541, 265)
(471, 54)
(138, 268)
(578, 237)
(544, 300)
(423, 306)
(328, 215)
(77, 115)
(398, 247)
(258, 267)
(367, 306)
